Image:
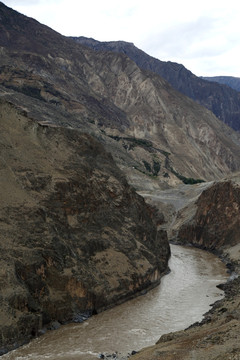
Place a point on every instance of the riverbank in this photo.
(219, 330)
(212, 222)
(211, 339)
(216, 337)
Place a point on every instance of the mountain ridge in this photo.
(231, 81)
(210, 95)
(109, 95)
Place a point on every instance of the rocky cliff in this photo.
(223, 101)
(157, 136)
(75, 237)
(216, 223)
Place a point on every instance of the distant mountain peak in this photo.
(231, 81)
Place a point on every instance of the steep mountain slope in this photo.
(233, 82)
(74, 237)
(156, 135)
(222, 101)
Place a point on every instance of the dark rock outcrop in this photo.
(223, 101)
(216, 223)
(75, 237)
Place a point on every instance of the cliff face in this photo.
(216, 223)
(155, 134)
(223, 101)
(75, 237)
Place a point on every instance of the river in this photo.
(182, 298)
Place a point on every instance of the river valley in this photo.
(182, 298)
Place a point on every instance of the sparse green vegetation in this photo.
(185, 180)
(134, 141)
(140, 142)
(192, 181)
(117, 138)
(147, 166)
(165, 153)
(153, 170)
(31, 91)
(28, 90)
(156, 167)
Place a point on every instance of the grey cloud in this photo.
(177, 40)
(23, 2)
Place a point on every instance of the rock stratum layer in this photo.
(75, 236)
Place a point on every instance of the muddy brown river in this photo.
(182, 298)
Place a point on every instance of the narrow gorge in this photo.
(102, 163)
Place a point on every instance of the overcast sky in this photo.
(203, 35)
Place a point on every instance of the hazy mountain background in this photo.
(233, 82)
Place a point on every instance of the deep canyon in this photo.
(102, 162)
